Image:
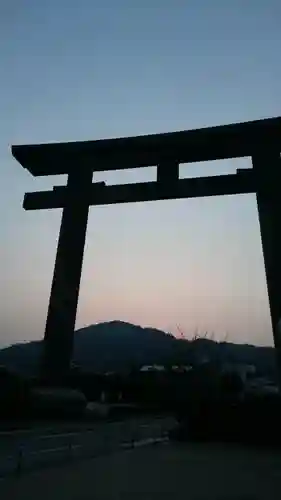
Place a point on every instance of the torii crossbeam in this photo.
(260, 140)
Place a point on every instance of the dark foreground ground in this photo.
(174, 471)
(23, 451)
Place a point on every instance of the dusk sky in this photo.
(75, 70)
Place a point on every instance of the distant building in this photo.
(160, 368)
(151, 368)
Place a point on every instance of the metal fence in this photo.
(20, 455)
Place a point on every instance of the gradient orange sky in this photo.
(107, 69)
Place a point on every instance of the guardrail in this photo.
(46, 450)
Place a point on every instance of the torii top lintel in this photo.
(206, 144)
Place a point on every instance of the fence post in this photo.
(19, 462)
(134, 435)
(70, 449)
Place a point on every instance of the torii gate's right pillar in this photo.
(267, 170)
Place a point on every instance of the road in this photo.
(169, 471)
(28, 449)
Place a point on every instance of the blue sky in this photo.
(87, 70)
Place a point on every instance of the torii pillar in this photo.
(267, 170)
(61, 317)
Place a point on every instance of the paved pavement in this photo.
(171, 471)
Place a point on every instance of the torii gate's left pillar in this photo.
(60, 324)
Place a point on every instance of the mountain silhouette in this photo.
(120, 346)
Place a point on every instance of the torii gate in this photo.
(261, 140)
